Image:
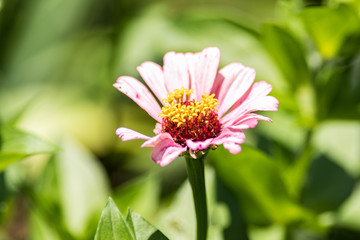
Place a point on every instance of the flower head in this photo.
(201, 106)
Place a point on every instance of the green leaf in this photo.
(329, 27)
(257, 183)
(82, 187)
(340, 140)
(40, 228)
(349, 213)
(143, 229)
(316, 194)
(287, 53)
(284, 129)
(135, 191)
(112, 225)
(16, 145)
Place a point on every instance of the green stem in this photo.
(196, 174)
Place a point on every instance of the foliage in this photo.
(296, 178)
(113, 225)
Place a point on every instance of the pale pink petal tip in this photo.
(230, 139)
(127, 134)
(232, 147)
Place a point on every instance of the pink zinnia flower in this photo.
(201, 106)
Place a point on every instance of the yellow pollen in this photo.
(180, 106)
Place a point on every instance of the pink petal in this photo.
(231, 84)
(165, 149)
(224, 79)
(127, 134)
(203, 68)
(165, 152)
(249, 120)
(152, 142)
(231, 139)
(176, 71)
(153, 75)
(255, 99)
(232, 147)
(198, 145)
(139, 94)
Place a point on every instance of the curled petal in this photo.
(139, 94)
(153, 75)
(127, 134)
(165, 149)
(165, 152)
(198, 145)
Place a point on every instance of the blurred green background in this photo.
(296, 178)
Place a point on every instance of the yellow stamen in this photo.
(180, 106)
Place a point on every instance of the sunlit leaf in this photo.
(257, 183)
(329, 26)
(340, 140)
(284, 129)
(39, 227)
(287, 53)
(350, 211)
(326, 190)
(16, 145)
(143, 229)
(82, 186)
(112, 225)
(133, 194)
(272, 232)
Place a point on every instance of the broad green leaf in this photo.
(349, 213)
(133, 194)
(16, 145)
(340, 140)
(272, 232)
(142, 229)
(317, 193)
(39, 227)
(257, 183)
(82, 186)
(112, 225)
(329, 26)
(284, 129)
(287, 53)
(340, 98)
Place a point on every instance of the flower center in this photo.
(183, 118)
